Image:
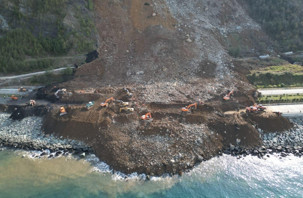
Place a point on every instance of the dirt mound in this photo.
(235, 130)
(131, 145)
(270, 122)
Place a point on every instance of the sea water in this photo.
(22, 175)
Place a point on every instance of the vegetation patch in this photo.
(42, 29)
(280, 99)
(277, 76)
(281, 19)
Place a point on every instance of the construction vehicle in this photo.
(126, 109)
(122, 103)
(228, 96)
(147, 117)
(22, 89)
(60, 93)
(261, 107)
(105, 104)
(128, 92)
(32, 102)
(251, 109)
(189, 108)
(90, 104)
(255, 108)
(62, 111)
(13, 97)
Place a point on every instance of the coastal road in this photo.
(22, 76)
(266, 92)
(287, 110)
(15, 90)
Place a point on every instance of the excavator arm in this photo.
(107, 101)
(189, 107)
(147, 116)
(192, 105)
(228, 96)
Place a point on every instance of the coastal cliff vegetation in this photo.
(36, 31)
(281, 19)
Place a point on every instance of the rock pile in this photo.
(27, 134)
(284, 143)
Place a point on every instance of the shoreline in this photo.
(27, 135)
(48, 144)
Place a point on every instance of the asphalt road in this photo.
(281, 91)
(22, 76)
(15, 90)
(287, 110)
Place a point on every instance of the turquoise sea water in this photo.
(226, 176)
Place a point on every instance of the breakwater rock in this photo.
(26, 134)
(20, 112)
(284, 143)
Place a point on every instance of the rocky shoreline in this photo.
(26, 134)
(283, 143)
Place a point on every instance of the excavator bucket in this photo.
(226, 98)
(13, 97)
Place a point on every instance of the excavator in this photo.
(189, 108)
(228, 96)
(255, 108)
(147, 117)
(22, 89)
(32, 102)
(122, 103)
(13, 97)
(126, 109)
(62, 111)
(261, 107)
(89, 105)
(105, 104)
(251, 109)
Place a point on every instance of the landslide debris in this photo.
(171, 143)
(168, 54)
